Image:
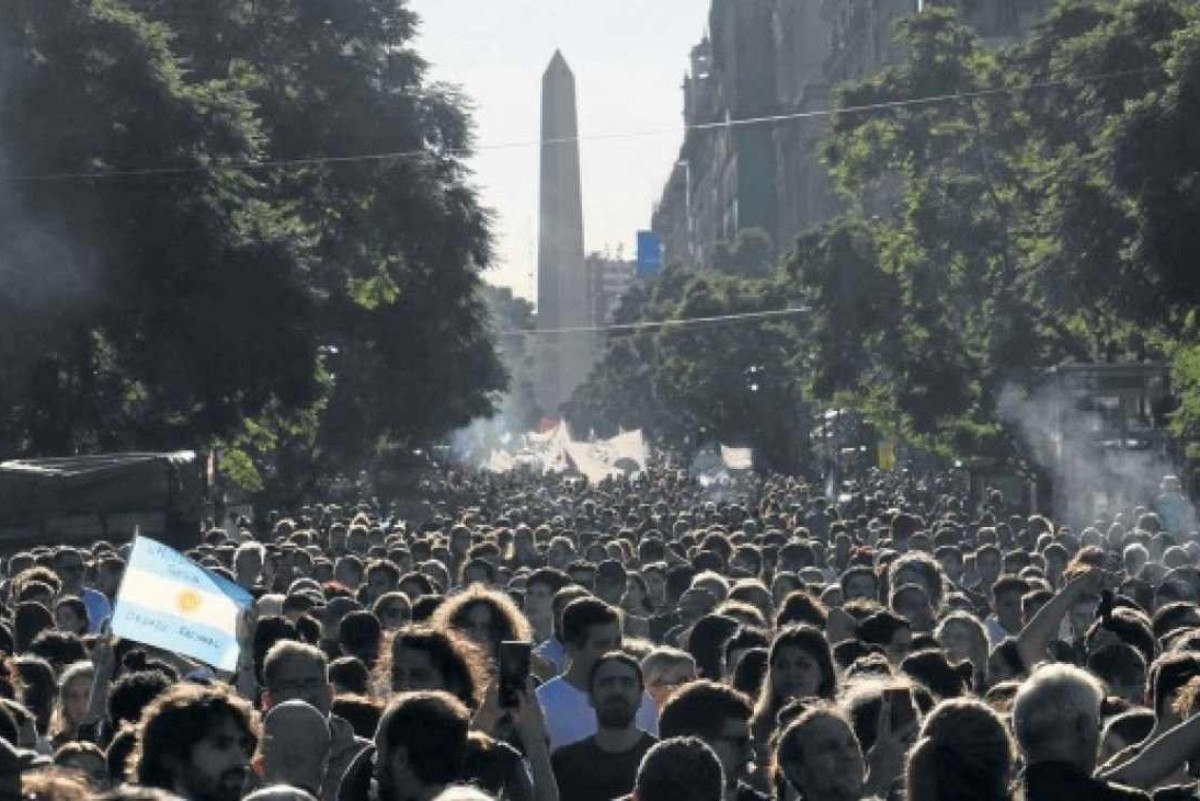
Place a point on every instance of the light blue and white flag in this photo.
(168, 601)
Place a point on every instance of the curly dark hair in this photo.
(133, 692)
(508, 623)
(458, 660)
(175, 720)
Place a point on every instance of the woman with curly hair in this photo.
(427, 658)
(486, 617)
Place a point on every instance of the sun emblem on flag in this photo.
(188, 601)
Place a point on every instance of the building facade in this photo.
(765, 58)
(608, 279)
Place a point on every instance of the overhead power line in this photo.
(646, 324)
(466, 152)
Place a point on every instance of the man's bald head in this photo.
(296, 743)
(280, 792)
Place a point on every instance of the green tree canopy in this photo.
(207, 298)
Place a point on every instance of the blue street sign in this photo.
(649, 253)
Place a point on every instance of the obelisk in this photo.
(564, 358)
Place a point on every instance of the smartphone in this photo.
(515, 658)
(904, 715)
(1104, 610)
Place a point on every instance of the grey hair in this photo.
(462, 792)
(248, 547)
(662, 658)
(1136, 548)
(280, 792)
(1050, 700)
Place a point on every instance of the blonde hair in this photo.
(58, 720)
(663, 658)
(54, 784)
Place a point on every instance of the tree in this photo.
(508, 315)
(332, 303)
(855, 306)
(751, 254)
(140, 310)
(735, 382)
(1039, 218)
(1156, 164)
(397, 244)
(1095, 59)
(947, 268)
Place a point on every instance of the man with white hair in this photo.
(280, 792)
(1134, 558)
(1056, 718)
(248, 564)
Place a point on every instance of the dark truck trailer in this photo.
(81, 499)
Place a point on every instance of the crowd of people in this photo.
(683, 641)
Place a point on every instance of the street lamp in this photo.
(687, 205)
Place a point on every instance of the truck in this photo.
(81, 499)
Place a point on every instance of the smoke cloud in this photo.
(1098, 446)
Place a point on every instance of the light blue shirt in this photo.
(554, 652)
(570, 717)
(98, 609)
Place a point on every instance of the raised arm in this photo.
(1158, 760)
(102, 661)
(531, 728)
(1037, 635)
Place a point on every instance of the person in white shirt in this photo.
(1005, 620)
(591, 628)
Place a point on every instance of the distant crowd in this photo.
(544, 639)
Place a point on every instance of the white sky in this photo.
(629, 58)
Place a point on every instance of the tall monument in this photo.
(564, 359)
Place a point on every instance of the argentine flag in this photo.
(168, 601)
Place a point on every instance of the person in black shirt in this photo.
(604, 766)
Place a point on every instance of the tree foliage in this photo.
(333, 301)
(133, 306)
(1039, 210)
(1030, 222)
(736, 382)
